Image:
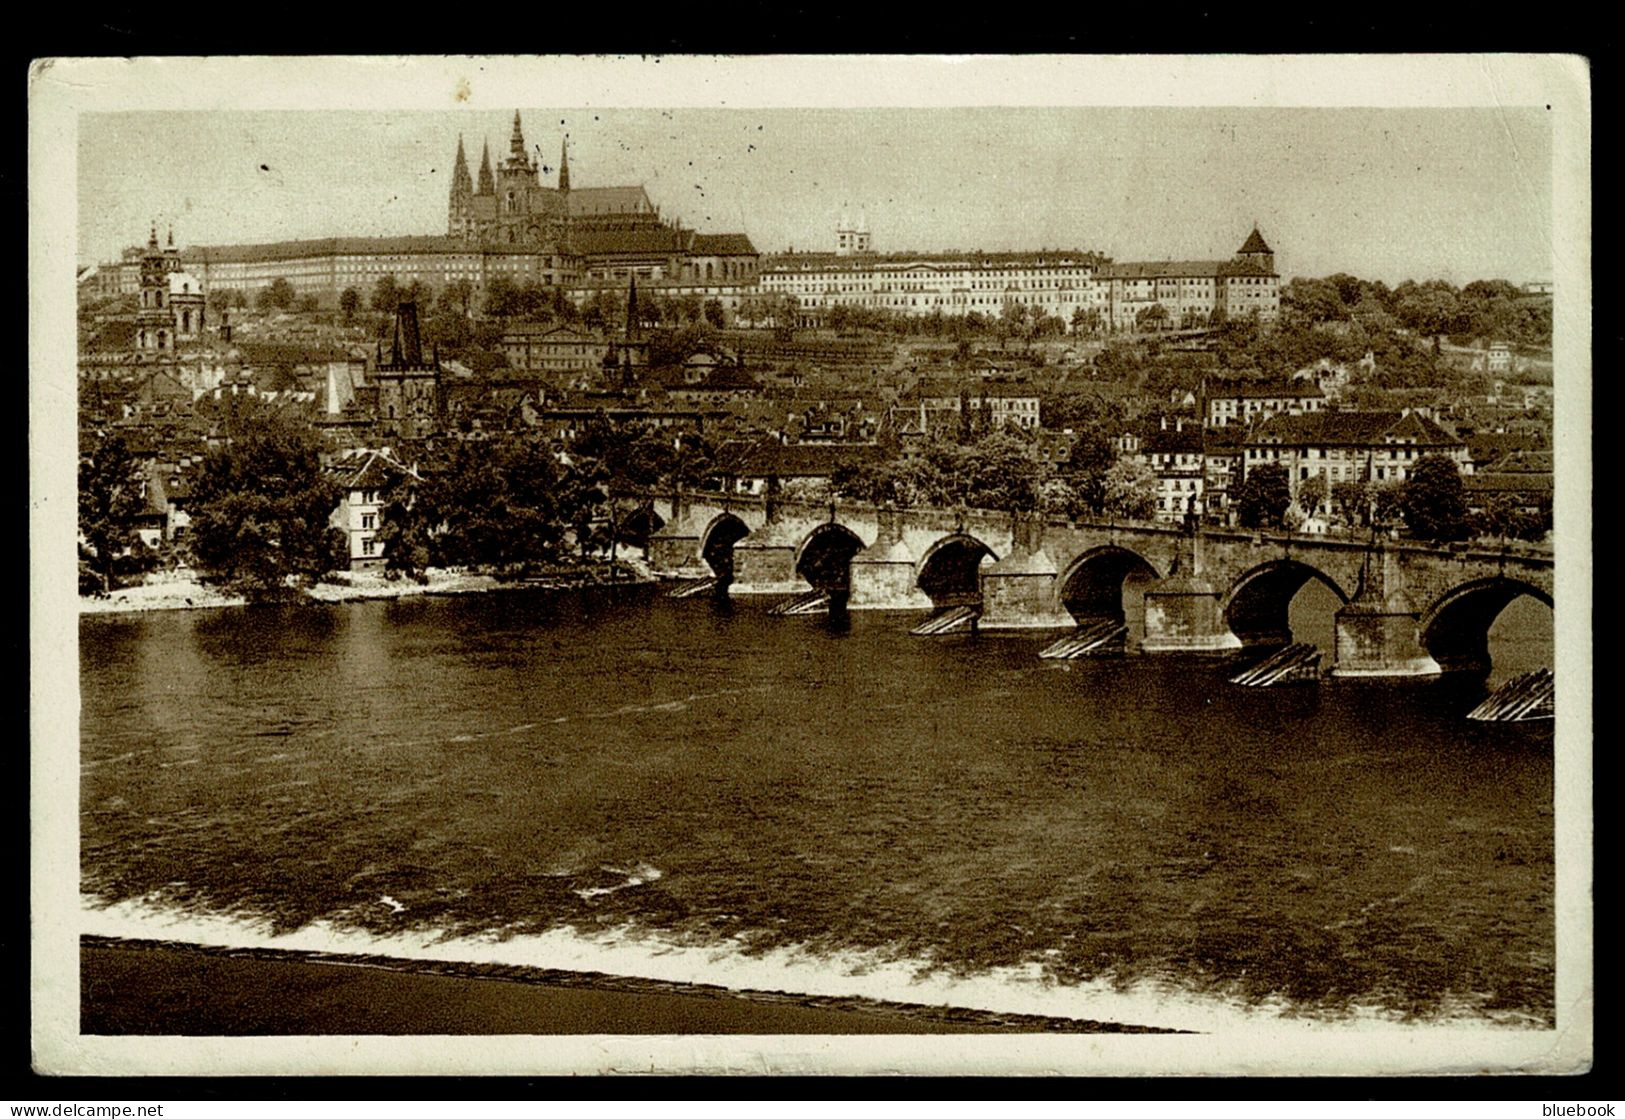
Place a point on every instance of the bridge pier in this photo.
(1378, 633)
(1020, 591)
(1184, 614)
(766, 567)
(883, 575)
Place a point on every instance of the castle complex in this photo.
(506, 223)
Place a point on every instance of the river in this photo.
(698, 791)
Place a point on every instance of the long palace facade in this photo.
(508, 223)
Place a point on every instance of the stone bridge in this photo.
(1407, 610)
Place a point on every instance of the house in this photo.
(767, 465)
(1251, 402)
(1350, 446)
(1222, 470)
(365, 477)
(540, 348)
(1173, 451)
(718, 384)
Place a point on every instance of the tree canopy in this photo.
(1433, 500)
(1263, 497)
(263, 507)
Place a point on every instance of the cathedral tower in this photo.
(461, 217)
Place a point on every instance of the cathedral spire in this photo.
(460, 182)
(488, 183)
(516, 144)
(564, 165)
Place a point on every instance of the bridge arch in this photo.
(1257, 607)
(1455, 629)
(717, 543)
(638, 524)
(950, 572)
(824, 557)
(1091, 587)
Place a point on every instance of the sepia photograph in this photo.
(688, 564)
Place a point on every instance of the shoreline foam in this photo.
(169, 988)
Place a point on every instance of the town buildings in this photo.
(1350, 446)
(1194, 293)
(364, 478)
(1073, 286)
(1247, 402)
(923, 284)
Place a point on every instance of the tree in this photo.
(1433, 501)
(349, 303)
(1085, 320)
(110, 494)
(1313, 493)
(715, 313)
(1386, 507)
(309, 304)
(1130, 489)
(263, 507)
(1263, 497)
(386, 294)
(1154, 317)
(458, 296)
(1314, 301)
(508, 502)
(278, 296)
(1352, 500)
(998, 472)
(405, 522)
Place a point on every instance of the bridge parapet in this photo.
(1219, 587)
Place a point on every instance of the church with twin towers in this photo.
(509, 204)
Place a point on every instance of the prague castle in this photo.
(507, 224)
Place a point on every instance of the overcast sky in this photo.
(1386, 194)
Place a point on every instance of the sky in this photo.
(1389, 194)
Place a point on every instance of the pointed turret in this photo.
(488, 182)
(1257, 252)
(1255, 243)
(152, 238)
(564, 165)
(462, 185)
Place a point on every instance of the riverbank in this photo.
(148, 988)
(185, 590)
